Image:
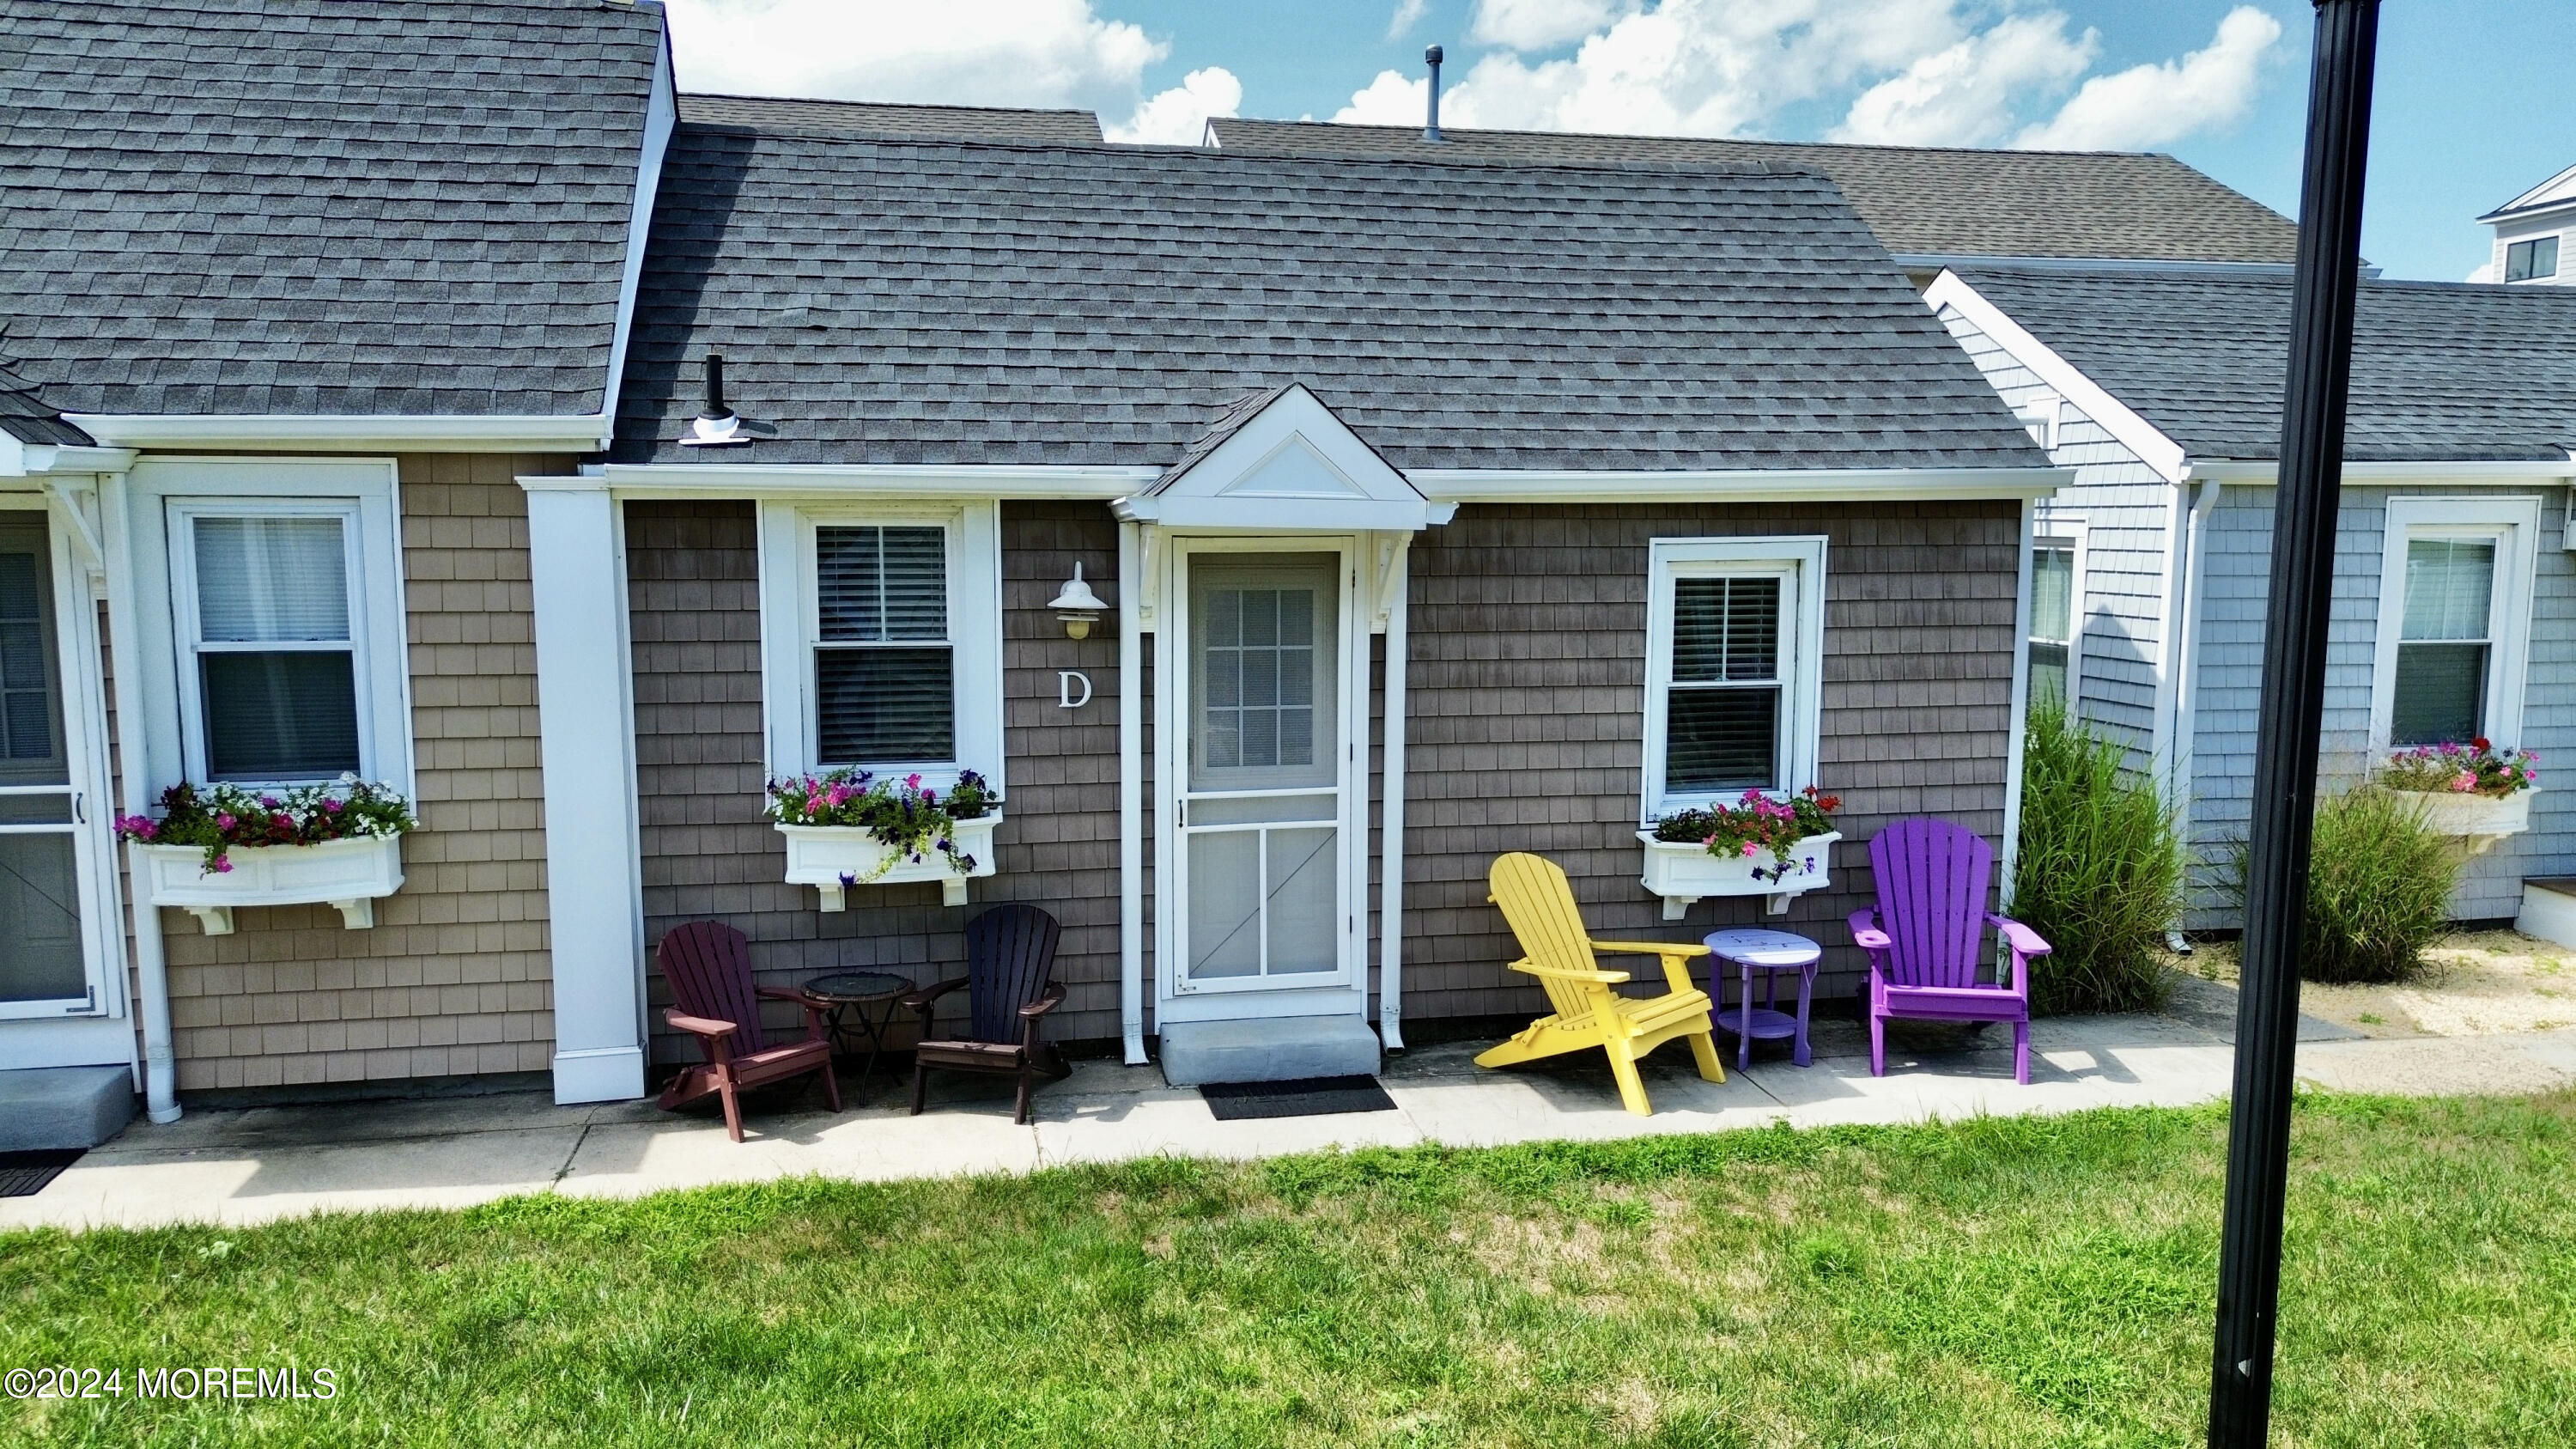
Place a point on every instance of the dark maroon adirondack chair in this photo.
(1010, 981)
(708, 965)
(1923, 939)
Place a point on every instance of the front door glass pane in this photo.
(40, 925)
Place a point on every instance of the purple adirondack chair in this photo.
(1923, 939)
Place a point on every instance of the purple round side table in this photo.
(1769, 952)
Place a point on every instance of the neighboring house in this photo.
(1928, 205)
(1519, 467)
(2530, 231)
(294, 293)
(2455, 598)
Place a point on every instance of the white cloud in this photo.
(964, 52)
(1178, 117)
(1407, 14)
(1539, 24)
(1393, 99)
(2154, 105)
(1965, 95)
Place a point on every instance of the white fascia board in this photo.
(1278, 515)
(1784, 485)
(1075, 482)
(661, 116)
(340, 432)
(1945, 260)
(2490, 470)
(35, 460)
(2540, 198)
(2116, 417)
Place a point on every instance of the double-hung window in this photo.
(272, 641)
(2056, 602)
(882, 639)
(2454, 620)
(1734, 650)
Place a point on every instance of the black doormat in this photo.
(1298, 1097)
(24, 1174)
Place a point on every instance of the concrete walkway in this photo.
(252, 1166)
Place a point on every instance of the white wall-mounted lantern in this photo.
(1078, 606)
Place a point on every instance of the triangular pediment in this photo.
(1282, 460)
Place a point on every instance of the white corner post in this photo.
(1390, 850)
(2020, 701)
(1131, 792)
(586, 733)
(151, 964)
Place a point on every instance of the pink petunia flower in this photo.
(1748, 847)
(225, 822)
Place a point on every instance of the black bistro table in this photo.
(868, 997)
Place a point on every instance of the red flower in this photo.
(2481, 743)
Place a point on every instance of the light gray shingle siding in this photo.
(305, 206)
(910, 302)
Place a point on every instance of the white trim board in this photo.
(1767, 485)
(341, 432)
(2263, 472)
(2515, 524)
(2089, 397)
(852, 480)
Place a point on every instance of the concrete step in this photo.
(2549, 909)
(1269, 1049)
(56, 1107)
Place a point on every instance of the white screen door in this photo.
(1262, 841)
(44, 968)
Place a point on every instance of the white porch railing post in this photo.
(586, 731)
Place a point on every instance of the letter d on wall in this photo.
(1066, 682)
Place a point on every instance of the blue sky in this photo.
(2473, 102)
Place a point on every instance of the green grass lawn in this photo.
(2035, 1281)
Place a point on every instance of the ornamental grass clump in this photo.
(2379, 888)
(218, 818)
(1755, 824)
(2099, 870)
(903, 816)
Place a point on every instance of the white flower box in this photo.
(1682, 871)
(350, 874)
(2482, 820)
(820, 855)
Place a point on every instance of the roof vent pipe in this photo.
(716, 426)
(1431, 123)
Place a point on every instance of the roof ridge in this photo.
(1715, 140)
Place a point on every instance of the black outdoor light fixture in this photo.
(2293, 707)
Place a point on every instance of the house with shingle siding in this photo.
(292, 294)
(2455, 599)
(1440, 509)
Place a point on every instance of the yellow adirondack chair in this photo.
(1560, 953)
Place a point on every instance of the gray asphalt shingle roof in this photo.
(887, 118)
(1920, 200)
(306, 206)
(2441, 370)
(904, 302)
(26, 416)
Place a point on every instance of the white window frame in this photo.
(2514, 524)
(2063, 533)
(1801, 560)
(167, 495)
(791, 625)
(188, 626)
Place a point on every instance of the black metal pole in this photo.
(2285, 761)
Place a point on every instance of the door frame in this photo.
(84, 711)
(1345, 991)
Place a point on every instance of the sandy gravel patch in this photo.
(2473, 983)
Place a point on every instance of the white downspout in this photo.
(2189, 577)
(151, 966)
(1131, 793)
(2020, 702)
(1390, 852)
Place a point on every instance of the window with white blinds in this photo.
(2455, 602)
(2053, 608)
(1734, 632)
(884, 666)
(273, 663)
